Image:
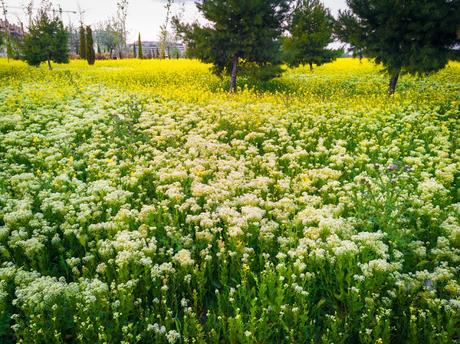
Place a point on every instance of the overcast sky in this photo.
(144, 16)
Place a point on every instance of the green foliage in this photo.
(413, 36)
(240, 30)
(260, 72)
(454, 54)
(140, 54)
(310, 31)
(90, 53)
(47, 40)
(347, 30)
(12, 45)
(82, 51)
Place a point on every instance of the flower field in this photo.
(142, 203)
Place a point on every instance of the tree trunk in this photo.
(49, 62)
(234, 73)
(8, 49)
(393, 82)
(311, 66)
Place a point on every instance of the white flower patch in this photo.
(184, 258)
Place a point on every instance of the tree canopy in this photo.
(90, 53)
(411, 36)
(238, 31)
(82, 49)
(310, 33)
(347, 29)
(46, 40)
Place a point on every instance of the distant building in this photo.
(151, 49)
(15, 30)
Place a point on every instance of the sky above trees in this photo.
(144, 16)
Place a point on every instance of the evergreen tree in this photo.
(141, 54)
(82, 50)
(238, 30)
(90, 53)
(347, 30)
(411, 36)
(47, 40)
(310, 30)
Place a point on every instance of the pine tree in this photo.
(90, 53)
(82, 50)
(347, 30)
(46, 40)
(311, 32)
(412, 36)
(141, 54)
(239, 31)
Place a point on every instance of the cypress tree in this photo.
(238, 31)
(141, 54)
(90, 53)
(82, 50)
(311, 32)
(411, 36)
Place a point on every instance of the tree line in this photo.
(48, 40)
(257, 37)
(410, 36)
